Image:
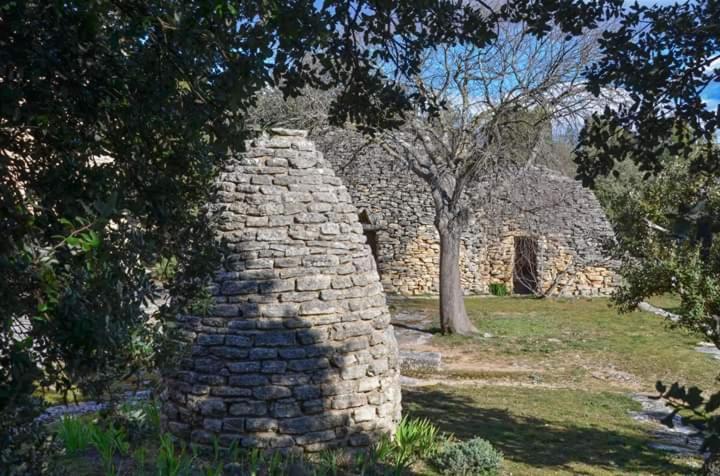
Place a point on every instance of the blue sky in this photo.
(711, 95)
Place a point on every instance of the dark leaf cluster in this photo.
(696, 409)
(114, 116)
(659, 60)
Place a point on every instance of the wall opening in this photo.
(525, 278)
(370, 232)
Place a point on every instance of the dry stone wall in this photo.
(408, 248)
(564, 219)
(298, 351)
(566, 223)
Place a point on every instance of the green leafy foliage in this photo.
(702, 411)
(475, 457)
(330, 461)
(139, 418)
(498, 289)
(140, 457)
(75, 434)
(108, 442)
(213, 470)
(415, 439)
(115, 117)
(667, 227)
(25, 448)
(663, 74)
(153, 452)
(363, 463)
(255, 460)
(171, 461)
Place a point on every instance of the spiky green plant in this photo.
(255, 461)
(418, 438)
(275, 465)
(140, 456)
(171, 461)
(75, 434)
(330, 461)
(108, 442)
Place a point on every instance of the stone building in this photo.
(298, 351)
(537, 232)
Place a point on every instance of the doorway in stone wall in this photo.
(525, 279)
(370, 231)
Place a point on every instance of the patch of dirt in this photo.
(464, 365)
(615, 376)
(410, 381)
(463, 360)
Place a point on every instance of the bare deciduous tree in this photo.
(489, 115)
(310, 110)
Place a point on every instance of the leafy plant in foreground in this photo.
(138, 418)
(26, 445)
(214, 469)
(475, 457)
(275, 465)
(702, 412)
(140, 455)
(363, 462)
(330, 461)
(171, 462)
(667, 242)
(414, 439)
(75, 434)
(108, 442)
(255, 461)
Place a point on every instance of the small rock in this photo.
(413, 360)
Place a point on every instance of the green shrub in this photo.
(498, 289)
(74, 434)
(475, 457)
(25, 444)
(138, 418)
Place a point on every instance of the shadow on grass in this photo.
(536, 442)
(427, 330)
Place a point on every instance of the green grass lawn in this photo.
(575, 363)
(549, 383)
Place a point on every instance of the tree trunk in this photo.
(453, 317)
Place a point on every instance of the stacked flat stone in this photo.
(565, 219)
(298, 351)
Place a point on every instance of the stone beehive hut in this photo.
(298, 351)
(541, 232)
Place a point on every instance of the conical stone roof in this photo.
(298, 351)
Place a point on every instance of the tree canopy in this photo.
(663, 58)
(113, 117)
